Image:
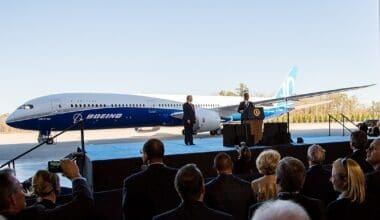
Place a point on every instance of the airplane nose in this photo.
(9, 119)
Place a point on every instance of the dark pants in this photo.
(188, 133)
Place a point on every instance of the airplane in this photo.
(102, 110)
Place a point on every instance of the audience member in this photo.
(243, 165)
(317, 182)
(348, 179)
(189, 184)
(280, 209)
(152, 189)
(12, 198)
(290, 176)
(375, 131)
(358, 145)
(226, 192)
(45, 185)
(373, 179)
(265, 187)
(363, 127)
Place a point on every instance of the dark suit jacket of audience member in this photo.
(230, 194)
(372, 180)
(149, 192)
(193, 210)
(347, 210)
(359, 156)
(243, 167)
(313, 207)
(47, 204)
(318, 185)
(188, 113)
(79, 208)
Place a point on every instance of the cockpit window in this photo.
(26, 106)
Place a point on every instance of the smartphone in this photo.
(54, 166)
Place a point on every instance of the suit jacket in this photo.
(372, 181)
(313, 207)
(80, 206)
(230, 194)
(242, 106)
(151, 190)
(347, 210)
(318, 185)
(360, 157)
(188, 113)
(193, 210)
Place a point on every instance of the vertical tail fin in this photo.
(287, 87)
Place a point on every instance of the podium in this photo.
(254, 117)
(250, 130)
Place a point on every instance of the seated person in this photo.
(290, 176)
(243, 165)
(45, 185)
(227, 192)
(348, 179)
(265, 187)
(12, 198)
(189, 184)
(280, 209)
(317, 182)
(153, 188)
(372, 179)
(358, 145)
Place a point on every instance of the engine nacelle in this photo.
(206, 120)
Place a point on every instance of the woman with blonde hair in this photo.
(265, 187)
(45, 185)
(348, 179)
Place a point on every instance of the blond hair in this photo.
(44, 183)
(267, 162)
(350, 170)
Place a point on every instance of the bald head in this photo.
(223, 163)
(315, 154)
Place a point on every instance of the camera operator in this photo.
(12, 198)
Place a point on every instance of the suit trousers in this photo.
(188, 133)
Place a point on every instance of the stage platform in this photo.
(108, 164)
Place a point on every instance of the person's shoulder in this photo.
(213, 182)
(311, 201)
(171, 214)
(133, 177)
(219, 214)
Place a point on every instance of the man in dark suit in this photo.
(189, 184)
(358, 145)
(228, 193)
(243, 106)
(290, 174)
(372, 179)
(12, 198)
(317, 182)
(189, 119)
(152, 189)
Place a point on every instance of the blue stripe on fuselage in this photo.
(104, 118)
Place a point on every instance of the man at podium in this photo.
(244, 106)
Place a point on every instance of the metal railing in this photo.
(12, 162)
(344, 127)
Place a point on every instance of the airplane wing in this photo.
(231, 109)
